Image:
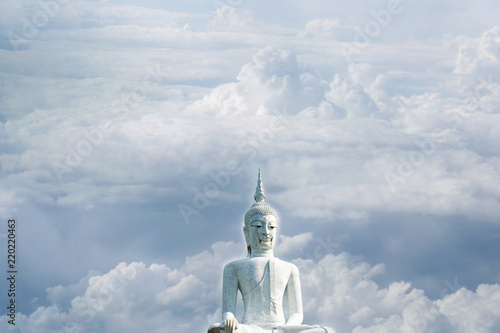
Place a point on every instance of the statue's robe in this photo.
(270, 289)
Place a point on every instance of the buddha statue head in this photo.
(261, 222)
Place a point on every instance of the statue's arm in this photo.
(229, 291)
(293, 296)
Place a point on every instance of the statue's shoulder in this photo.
(287, 265)
(233, 264)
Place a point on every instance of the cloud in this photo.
(464, 311)
(273, 80)
(350, 97)
(473, 311)
(61, 296)
(331, 28)
(478, 56)
(227, 18)
(322, 26)
(341, 288)
(8, 202)
(293, 246)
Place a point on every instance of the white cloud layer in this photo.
(447, 143)
(422, 146)
(339, 291)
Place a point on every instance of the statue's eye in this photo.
(272, 226)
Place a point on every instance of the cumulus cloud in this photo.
(351, 97)
(341, 288)
(473, 311)
(274, 79)
(478, 56)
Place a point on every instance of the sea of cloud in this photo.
(112, 105)
(408, 142)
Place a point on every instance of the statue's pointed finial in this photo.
(260, 195)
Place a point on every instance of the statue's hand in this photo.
(230, 325)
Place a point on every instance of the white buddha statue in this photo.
(270, 287)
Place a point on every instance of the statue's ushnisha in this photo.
(270, 287)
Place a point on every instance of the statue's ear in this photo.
(247, 236)
(247, 240)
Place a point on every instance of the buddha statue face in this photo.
(260, 233)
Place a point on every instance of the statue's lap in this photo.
(282, 329)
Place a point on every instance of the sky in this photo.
(132, 132)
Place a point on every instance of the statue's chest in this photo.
(263, 277)
(253, 271)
